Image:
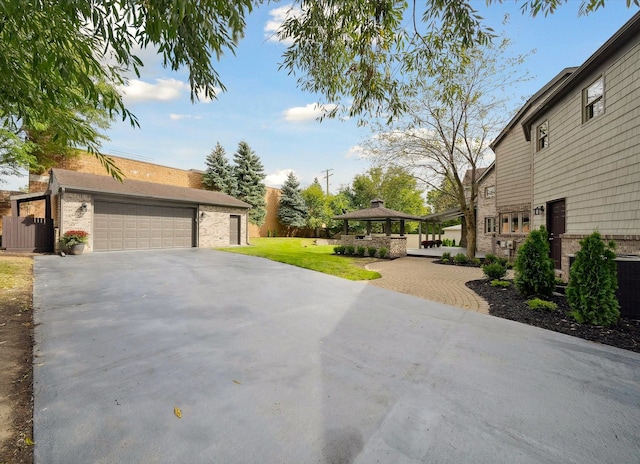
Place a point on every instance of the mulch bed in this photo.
(509, 304)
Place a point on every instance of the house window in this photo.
(592, 100)
(543, 135)
(504, 221)
(490, 225)
(514, 223)
(490, 191)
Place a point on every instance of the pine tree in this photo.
(249, 175)
(593, 282)
(292, 209)
(219, 173)
(535, 275)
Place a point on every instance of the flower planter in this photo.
(76, 249)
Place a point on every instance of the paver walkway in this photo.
(421, 277)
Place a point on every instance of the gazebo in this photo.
(397, 245)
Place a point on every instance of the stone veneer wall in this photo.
(74, 218)
(397, 246)
(625, 245)
(214, 227)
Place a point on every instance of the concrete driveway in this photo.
(273, 364)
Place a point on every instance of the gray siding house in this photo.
(570, 159)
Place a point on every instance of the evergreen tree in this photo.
(249, 175)
(219, 173)
(593, 283)
(292, 209)
(535, 275)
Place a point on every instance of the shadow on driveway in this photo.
(271, 363)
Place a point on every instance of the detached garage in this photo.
(136, 215)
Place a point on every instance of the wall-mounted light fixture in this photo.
(83, 208)
(538, 210)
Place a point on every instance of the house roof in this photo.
(564, 74)
(486, 171)
(467, 175)
(447, 215)
(617, 41)
(91, 183)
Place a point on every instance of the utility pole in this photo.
(327, 174)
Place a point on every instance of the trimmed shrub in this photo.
(535, 275)
(477, 261)
(445, 260)
(349, 250)
(460, 258)
(382, 252)
(361, 251)
(339, 250)
(490, 258)
(537, 303)
(593, 282)
(500, 283)
(494, 271)
(371, 251)
(446, 255)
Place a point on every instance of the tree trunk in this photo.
(463, 233)
(470, 220)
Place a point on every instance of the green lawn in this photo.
(302, 252)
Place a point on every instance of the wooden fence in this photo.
(27, 234)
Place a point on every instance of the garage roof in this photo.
(92, 183)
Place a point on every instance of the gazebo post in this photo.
(388, 227)
(345, 227)
(401, 227)
(368, 227)
(419, 233)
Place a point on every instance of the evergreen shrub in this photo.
(371, 251)
(593, 282)
(500, 283)
(446, 255)
(339, 250)
(382, 252)
(535, 275)
(349, 250)
(361, 251)
(494, 271)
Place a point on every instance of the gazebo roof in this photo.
(377, 213)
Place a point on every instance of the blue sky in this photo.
(263, 107)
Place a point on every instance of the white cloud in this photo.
(178, 117)
(163, 90)
(277, 178)
(356, 151)
(306, 113)
(278, 16)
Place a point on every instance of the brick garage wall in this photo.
(74, 218)
(214, 227)
(132, 169)
(271, 222)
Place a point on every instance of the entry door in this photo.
(556, 226)
(234, 230)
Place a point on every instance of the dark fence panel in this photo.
(27, 234)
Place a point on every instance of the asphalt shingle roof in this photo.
(83, 182)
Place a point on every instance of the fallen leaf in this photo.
(177, 412)
(29, 441)
(238, 382)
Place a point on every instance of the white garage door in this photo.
(132, 226)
